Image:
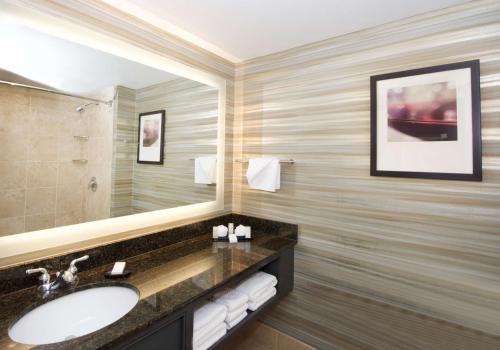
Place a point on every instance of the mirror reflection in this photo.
(86, 135)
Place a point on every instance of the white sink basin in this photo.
(74, 315)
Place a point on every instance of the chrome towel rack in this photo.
(282, 161)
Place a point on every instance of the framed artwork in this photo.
(151, 137)
(426, 123)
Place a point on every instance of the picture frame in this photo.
(426, 123)
(151, 137)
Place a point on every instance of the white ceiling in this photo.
(244, 29)
(67, 66)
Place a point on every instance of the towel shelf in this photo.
(282, 161)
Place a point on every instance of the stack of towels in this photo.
(212, 320)
(236, 304)
(259, 288)
(208, 325)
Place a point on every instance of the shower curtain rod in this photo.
(55, 92)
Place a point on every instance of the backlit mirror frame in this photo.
(33, 245)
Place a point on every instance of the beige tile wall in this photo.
(41, 186)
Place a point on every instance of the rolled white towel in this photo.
(231, 299)
(231, 316)
(236, 320)
(210, 313)
(254, 285)
(211, 338)
(254, 305)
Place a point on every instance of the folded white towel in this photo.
(209, 313)
(205, 170)
(210, 339)
(231, 299)
(264, 174)
(254, 285)
(236, 320)
(222, 231)
(254, 305)
(202, 334)
(231, 316)
(260, 294)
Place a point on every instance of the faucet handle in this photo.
(45, 277)
(72, 264)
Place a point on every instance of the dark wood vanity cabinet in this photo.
(175, 331)
(168, 335)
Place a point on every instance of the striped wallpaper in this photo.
(190, 131)
(376, 253)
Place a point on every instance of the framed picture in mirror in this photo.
(425, 123)
(151, 137)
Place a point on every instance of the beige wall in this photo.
(190, 131)
(41, 186)
(428, 246)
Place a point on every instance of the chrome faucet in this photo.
(69, 276)
(46, 286)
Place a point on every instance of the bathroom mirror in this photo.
(87, 135)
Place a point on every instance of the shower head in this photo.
(81, 108)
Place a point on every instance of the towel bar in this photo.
(283, 161)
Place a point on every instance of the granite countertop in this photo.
(168, 279)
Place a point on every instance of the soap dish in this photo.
(125, 274)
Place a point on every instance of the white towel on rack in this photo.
(209, 313)
(237, 320)
(205, 170)
(231, 299)
(208, 340)
(256, 284)
(264, 174)
(254, 305)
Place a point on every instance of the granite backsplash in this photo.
(14, 278)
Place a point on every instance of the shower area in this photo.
(56, 160)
